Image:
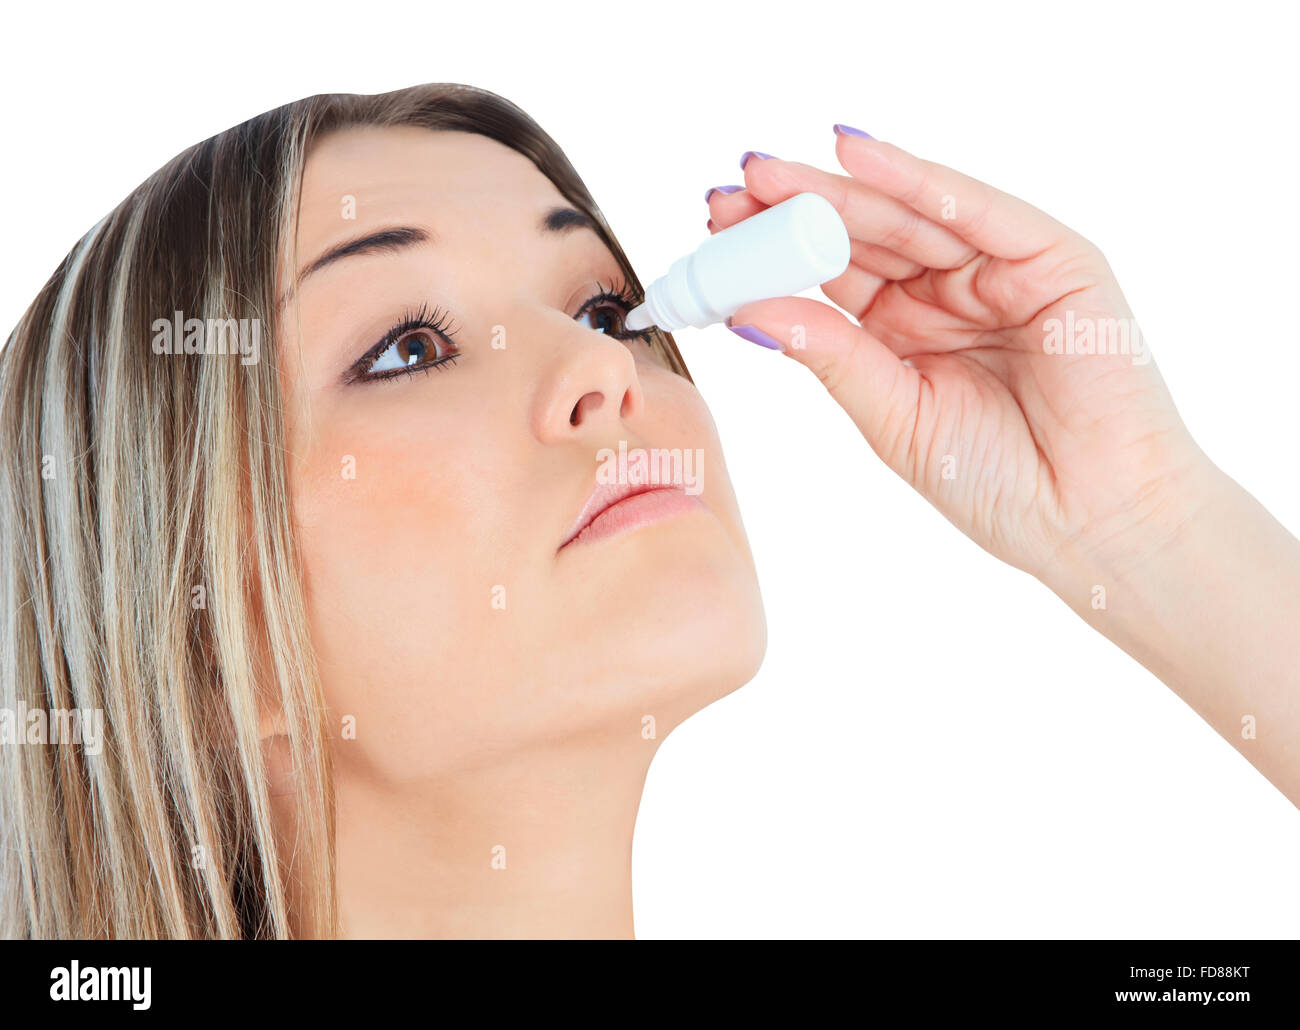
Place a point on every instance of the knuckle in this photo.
(904, 233)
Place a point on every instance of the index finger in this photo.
(995, 222)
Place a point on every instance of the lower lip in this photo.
(636, 511)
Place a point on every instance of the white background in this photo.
(935, 746)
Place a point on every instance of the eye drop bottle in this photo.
(789, 248)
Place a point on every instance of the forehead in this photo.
(403, 174)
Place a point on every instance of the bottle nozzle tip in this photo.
(638, 318)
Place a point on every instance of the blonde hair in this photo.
(148, 569)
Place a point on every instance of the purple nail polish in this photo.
(748, 332)
(751, 153)
(721, 189)
(849, 130)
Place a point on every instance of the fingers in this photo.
(925, 212)
(869, 215)
(910, 319)
(883, 262)
(856, 288)
(986, 218)
(729, 205)
(864, 376)
(890, 241)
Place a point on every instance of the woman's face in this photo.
(450, 617)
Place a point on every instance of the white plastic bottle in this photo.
(789, 248)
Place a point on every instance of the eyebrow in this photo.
(371, 243)
(557, 220)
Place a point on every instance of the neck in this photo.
(536, 844)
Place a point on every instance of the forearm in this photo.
(1214, 612)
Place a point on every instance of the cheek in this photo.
(396, 532)
(683, 420)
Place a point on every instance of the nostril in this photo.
(587, 403)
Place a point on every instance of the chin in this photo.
(671, 618)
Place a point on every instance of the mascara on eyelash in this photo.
(437, 321)
(619, 292)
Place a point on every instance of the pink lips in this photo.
(613, 508)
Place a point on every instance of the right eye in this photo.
(418, 348)
(420, 342)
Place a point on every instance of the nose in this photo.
(591, 384)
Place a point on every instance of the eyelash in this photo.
(619, 292)
(436, 321)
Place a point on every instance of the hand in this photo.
(1058, 463)
(1072, 466)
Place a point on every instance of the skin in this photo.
(522, 728)
(479, 728)
(1076, 467)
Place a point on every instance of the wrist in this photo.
(1143, 548)
(1209, 605)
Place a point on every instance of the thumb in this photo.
(866, 378)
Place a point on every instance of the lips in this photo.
(614, 507)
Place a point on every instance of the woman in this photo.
(350, 556)
(388, 654)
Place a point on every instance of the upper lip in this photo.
(606, 495)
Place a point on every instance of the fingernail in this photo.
(721, 189)
(748, 332)
(751, 153)
(849, 130)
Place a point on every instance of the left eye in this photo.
(605, 317)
